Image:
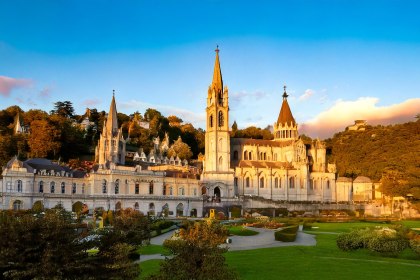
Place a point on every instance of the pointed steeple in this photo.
(112, 121)
(285, 116)
(217, 83)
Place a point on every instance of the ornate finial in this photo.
(285, 93)
(217, 48)
(113, 92)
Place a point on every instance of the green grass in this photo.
(241, 231)
(152, 249)
(148, 268)
(323, 261)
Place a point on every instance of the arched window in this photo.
(117, 186)
(136, 206)
(63, 187)
(221, 118)
(164, 189)
(104, 188)
(74, 188)
(17, 205)
(181, 191)
(83, 188)
(220, 161)
(328, 184)
(19, 185)
(41, 186)
(262, 182)
(136, 188)
(247, 182)
(52, 187)
(152, 209)
(211, 121)
(151, 187)
(250, 155)
(291, 182)
(171, 191)
(245, 155)
(276, 183)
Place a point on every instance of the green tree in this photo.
(197, 255)
(64, 109)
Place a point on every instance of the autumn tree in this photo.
(394, 183)
(197, 254)
(44, 139)
(180, 149)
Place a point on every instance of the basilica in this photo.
(282, 169)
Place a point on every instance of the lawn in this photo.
(241, 231)
(152, 249)
(323, 261)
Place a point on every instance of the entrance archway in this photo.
(180, 210)
(216, 193)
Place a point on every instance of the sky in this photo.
(340, 60)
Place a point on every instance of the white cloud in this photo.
(343, 113)
(308, 93)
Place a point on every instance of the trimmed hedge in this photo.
(287, 234)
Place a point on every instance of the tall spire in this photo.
(217, 83)
(112, 121)
(285, 116)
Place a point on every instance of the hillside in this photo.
(379, 148)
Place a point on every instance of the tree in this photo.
(44, 139)
(180, 149)
(174, 120)
(42, 246)
(196, 254)
(64, 109)
(394, 183)
(234, 129)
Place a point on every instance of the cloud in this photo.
(308, 93)
(238, 97)
(91, 102)
(344, 113)
(7, 85)
(45, 93)
(197, 119)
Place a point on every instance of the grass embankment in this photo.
(241, 231)
(323, 261)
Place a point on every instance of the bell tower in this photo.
(217, 137)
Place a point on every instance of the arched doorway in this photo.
(180, 210)
(151, 209)
(118, 206)
(193, 213)
(165, 210)
(17, 205)
(136, 206)
(216, 193)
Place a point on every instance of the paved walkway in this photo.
(264, 239)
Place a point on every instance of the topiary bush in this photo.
(287, 234)
(387, 246)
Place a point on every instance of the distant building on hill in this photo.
(359, 125)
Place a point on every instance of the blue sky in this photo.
(341, 60)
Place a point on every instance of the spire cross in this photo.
(113, 92)
(285, 93)
(217, 48)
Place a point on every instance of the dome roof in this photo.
(362, 179)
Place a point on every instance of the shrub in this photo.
(349, 241)
(291, 229)
(388, 246)
(285, 237)
(415, 246)
(306, 226)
